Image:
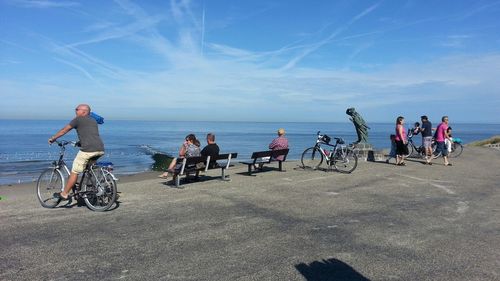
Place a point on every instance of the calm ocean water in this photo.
(24, 151)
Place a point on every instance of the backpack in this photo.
(99, 119)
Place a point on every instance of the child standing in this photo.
(448, 142)
(392, 153)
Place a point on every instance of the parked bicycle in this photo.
(341, 157)
(96, 187)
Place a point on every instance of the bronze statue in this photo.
(359, 124)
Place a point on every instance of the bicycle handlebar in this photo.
(65, 142)
(338, 140)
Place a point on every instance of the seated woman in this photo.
(190, 148)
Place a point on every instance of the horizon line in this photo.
(241, 121)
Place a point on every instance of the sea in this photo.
(130, 145)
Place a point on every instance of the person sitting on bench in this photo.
(190, 148)
(278, 143)
(212, 150)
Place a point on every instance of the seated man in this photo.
(212, 150)
(279, 143)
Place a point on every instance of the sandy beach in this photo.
(382, 222)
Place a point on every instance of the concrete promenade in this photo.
(383, 222)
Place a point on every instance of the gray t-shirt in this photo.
(88, 133)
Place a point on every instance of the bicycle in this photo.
(455, 151)
(96, 186)
(342, 157)
(413, 150)
(456, 148)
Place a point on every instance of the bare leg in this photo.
(170, 168)
(73, 177)
(428, 155)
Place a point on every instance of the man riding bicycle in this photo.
(91, 145)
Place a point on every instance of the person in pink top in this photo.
(401, 142)
(441, 135)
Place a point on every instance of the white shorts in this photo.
(81, 160)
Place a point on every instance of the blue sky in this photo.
(249, 60)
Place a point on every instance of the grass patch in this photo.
(492, 140)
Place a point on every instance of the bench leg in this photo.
(280, 165)
(177, 179)
(223, 176)
(250, 169)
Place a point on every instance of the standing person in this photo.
(279, 143)
(401, 142)
(190, 148)
(91, 145)
(426, 130)
(212, 150)
(392, 153)
(441, 136)
(448, 142)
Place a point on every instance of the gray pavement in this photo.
(383, 222)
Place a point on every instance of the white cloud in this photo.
(455, 41)
(240, 84)
(43, 4)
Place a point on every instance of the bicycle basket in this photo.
(326, 139)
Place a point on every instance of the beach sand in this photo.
(382, 222)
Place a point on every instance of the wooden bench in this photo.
(195, 165)
(269, 156)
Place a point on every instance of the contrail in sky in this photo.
(203, 30)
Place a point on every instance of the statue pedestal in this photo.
(366, 152)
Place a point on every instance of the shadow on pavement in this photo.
(329, 270)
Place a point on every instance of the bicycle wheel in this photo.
(311, 158)
(435, 152)
(421, 152)
(345, 162)
(99, 190)
(49, 182)
(411, 151)
(456, 150)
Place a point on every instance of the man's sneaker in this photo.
(58, 195)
